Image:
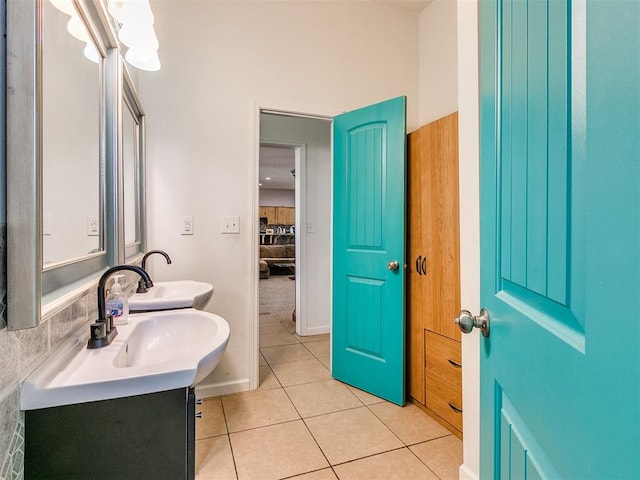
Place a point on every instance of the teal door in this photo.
(368, 237)
(560, 241)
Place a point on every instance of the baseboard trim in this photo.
(317, 331)
(465, 473)
(223, 388)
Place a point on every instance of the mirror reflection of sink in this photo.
(172, 295)
(154, 352)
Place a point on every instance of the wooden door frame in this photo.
(259, 106)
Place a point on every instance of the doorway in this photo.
(293, 208)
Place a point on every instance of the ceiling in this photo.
(276, 163)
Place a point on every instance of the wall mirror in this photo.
(60, 64)
(133, 161)
(72, 210)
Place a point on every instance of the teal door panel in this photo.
(560, 238)
(368, 232)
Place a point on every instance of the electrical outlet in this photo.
(230, 224)
(187, 225)
(93, 226)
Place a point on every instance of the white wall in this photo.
(277, 197)
(449, 82)
(315, 185)
(218, 59)
(438, 61)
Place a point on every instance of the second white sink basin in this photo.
(172, 295)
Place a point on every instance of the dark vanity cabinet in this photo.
(142, 437)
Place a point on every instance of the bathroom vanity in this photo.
(148, 436)
(126, 410)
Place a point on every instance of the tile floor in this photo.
(302, 424)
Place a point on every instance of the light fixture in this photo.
(134, 20)
(135, 30)
(268, 178)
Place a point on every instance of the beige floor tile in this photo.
(396, 465)
(214, 460)
(319, 349)
(257, 409)
(304, 371)
(275, 452)
(212, 422)
(351, 434)
(409, 423)
(285, 353)
(268, 380)
(313, 338)
(318, 398)
(288, 324)
(275, 339)
(271, 327)
(326, 361)
(365, 397)
(261, 361)
(325, 474)
(443, 456)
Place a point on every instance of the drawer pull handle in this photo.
(454, 408)
(199, 414)
(455, 364)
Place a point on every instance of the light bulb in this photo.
(143, 59)
(138, 36)
(118, 9)
(65, 6)
(76, 28)
(91, 53)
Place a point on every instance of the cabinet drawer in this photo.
(443, 357)
(445, 399)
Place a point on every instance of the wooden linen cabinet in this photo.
(433, 272)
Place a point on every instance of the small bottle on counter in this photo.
(117, 303)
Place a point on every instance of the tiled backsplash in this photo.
(20, 352)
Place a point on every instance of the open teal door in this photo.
(368, 334)
(560, 241)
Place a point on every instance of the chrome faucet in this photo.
(103, 331)
(142, 288)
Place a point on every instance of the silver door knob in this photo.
(466, 321)
(393, 265)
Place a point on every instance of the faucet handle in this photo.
(142, 287)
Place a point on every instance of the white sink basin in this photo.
(154, 352)
(172, 295)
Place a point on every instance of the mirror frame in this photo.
(24, 158)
